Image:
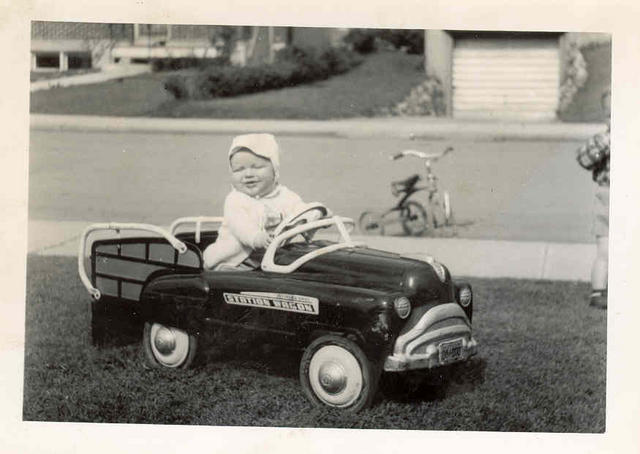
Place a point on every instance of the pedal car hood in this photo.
(373, 269)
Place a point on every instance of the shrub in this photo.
(176, 84)
(291, 67)
(411, 40)
(178, 63)
(427, 99)
(340, 61)
(362, 40)
(574, 75)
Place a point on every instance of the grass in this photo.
(541, 367)
(131, 96)
(382, 80)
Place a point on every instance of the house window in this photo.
(47, 61)
(79, 60)
(152, 33)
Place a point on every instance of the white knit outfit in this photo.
(244, 218)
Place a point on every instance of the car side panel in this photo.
(282, 305)
(179, 300)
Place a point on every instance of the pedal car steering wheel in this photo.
(301, 217)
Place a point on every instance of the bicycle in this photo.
(415, 218)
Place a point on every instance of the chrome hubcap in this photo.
(165, 341)
(333, 378)
(170, 346)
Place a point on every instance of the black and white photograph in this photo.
(374, 226)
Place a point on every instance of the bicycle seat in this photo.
(404, 185)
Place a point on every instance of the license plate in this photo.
(450, 351)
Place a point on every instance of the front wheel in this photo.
(414, 218)
(166, 346)
(335, 372)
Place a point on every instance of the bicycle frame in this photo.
(431, 187)
(437, 200)
(430, 178)
(403, 200)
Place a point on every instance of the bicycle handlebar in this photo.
(421, 154)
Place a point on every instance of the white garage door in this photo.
(505, 78)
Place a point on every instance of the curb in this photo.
(463, 257)
(399, 128)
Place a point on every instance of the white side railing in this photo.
(268, 263)
(95, 293)
(198, 221)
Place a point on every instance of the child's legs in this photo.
(599, 270)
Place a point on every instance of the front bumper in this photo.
(423, 344)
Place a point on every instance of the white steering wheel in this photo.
(300, 217)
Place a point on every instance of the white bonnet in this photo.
(264, 145)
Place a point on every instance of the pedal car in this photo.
(353, 311)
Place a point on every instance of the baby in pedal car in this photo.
(255, 206)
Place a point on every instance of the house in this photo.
(61, 46)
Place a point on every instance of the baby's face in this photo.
(252, 174)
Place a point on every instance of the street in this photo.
(509, 190)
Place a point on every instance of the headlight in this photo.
(438, 268)
(402, 305)
(465, 296)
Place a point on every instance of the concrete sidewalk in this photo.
(109, 73)
(464, 257)
(424, 128)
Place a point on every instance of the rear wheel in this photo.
(167, 346)
(414, 218)
(335, 372)
(370, 223)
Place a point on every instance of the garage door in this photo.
(505, 78)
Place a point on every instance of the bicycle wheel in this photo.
(370, 223)
(414, 218)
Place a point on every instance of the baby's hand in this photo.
(272, 219)
(316, 214)
(262, 240)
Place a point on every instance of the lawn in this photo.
(541, 367)
(131, 96)
(382, 80)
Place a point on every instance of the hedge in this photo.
(292, 66)
(364, 40)
(177, 63)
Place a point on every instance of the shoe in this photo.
(598, 299)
